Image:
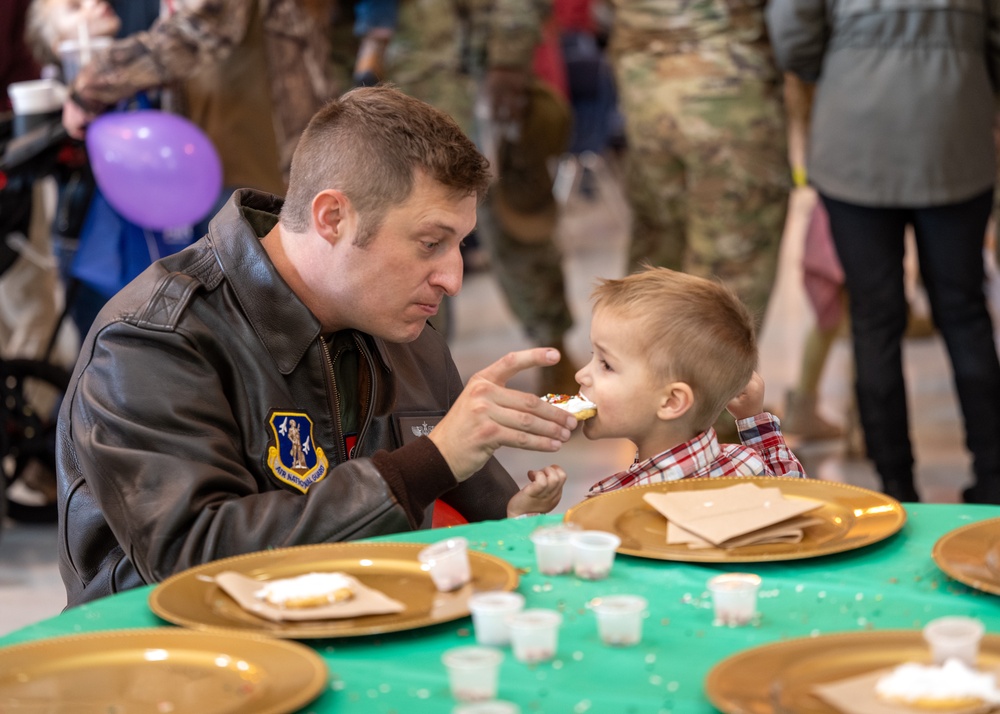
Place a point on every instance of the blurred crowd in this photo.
(712, 112)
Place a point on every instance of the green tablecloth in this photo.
(894, 584)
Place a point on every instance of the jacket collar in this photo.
(282, 322)
(285, 326)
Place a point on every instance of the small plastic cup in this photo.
(594, 554)
(473, 672)
(447, 561)
(735, 598)
(72, 58)
(554, 549)
(954, 637)
(534, 634)
(489, 615)
(497, 706)
(619, 619)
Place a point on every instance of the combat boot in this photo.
(803, 421)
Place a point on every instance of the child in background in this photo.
(671, 351)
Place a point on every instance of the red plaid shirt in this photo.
(762, 453)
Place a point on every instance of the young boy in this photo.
(670, 352)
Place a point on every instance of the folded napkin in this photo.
(731, 517)
(366, 601)
(856, 695)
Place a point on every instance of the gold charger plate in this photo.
(150, 671)
(192, 599)
(971, 555)
(778, 678)
(852, 517)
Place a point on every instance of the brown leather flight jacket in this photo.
(175, 440)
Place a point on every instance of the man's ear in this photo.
(675, 401)
(329, 214)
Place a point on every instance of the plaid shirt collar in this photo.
(682, 461)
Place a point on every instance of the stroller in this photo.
(27, 433)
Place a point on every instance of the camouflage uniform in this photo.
(440, 52)
(707, 174)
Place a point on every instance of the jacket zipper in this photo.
(372, 375)
(335, 398)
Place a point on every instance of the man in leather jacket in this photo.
(176, 443)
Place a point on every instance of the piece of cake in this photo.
(951, 685)
(310, 590)
(577, 404)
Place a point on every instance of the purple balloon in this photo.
(156, 169)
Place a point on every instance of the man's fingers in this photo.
(510, 364)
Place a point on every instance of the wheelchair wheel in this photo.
(31, 392)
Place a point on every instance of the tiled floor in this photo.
(593, 235)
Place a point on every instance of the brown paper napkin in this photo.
(790, 531)
(366, 601)
(856, 695)
(725, 517)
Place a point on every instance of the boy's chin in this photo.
(590, 429)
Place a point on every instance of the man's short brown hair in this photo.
(369, 144)
(693, 330)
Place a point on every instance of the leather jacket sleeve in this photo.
(166, 464)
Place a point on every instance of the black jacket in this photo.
(175, 439)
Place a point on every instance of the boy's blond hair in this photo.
(40, 32)
(692, 329)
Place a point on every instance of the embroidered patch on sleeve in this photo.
(294, 458)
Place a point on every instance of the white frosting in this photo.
(576, 403)
(952, 680)
(303, 586)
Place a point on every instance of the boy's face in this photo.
(619, 381)
(68, 15)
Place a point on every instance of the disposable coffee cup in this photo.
(36, 96)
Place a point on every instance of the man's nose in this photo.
(448, 273)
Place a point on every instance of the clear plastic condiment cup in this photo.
(447, 561)
(554, 548)
(473, 672)
(534, 634)
(594, 553)
(619, 618)
(734, 596)
(489, 615)
(956, 637)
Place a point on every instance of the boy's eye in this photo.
(605, 366)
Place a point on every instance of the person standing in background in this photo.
(902, 134)
(222, 52)
(473, 59)
(706, 168)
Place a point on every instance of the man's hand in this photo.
(507, 90)
(75, 118)
(539, 496)
(749, 402)
(488, 415)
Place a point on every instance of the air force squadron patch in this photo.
(294, 458)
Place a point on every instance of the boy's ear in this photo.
(675, 401)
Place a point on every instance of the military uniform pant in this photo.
(707, 175)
